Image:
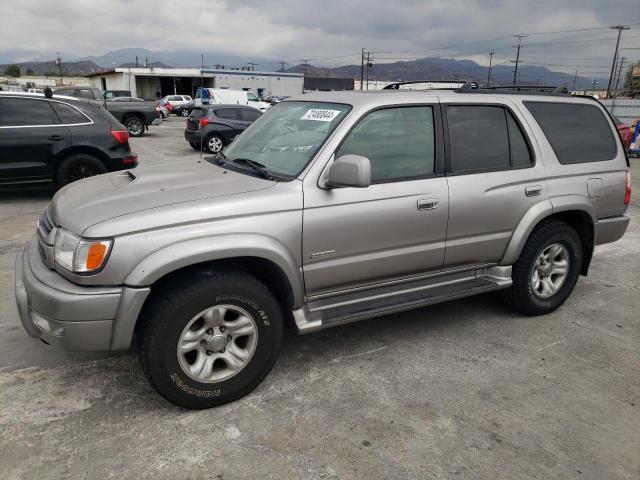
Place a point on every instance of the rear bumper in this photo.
(611, 229)
(71, 316)
(192, 136)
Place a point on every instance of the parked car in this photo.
(219, 96)
(111, 94)
(176, 100)
(330, 208)
(126, 99)
(136, 116)
(183, 110)
(625, 131)
(60, 140)
(218, 125)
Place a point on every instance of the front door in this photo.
(396, 227)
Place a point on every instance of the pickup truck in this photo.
(136, 116)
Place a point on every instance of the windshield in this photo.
(288, 135)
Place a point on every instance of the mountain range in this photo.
(420, 69)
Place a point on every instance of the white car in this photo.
(217, 96)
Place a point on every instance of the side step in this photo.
(347, 308)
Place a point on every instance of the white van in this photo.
(217, 96)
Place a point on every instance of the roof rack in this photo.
(398, 85)
(473, 87)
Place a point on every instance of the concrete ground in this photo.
(465, 390)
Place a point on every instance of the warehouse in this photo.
(148, 82)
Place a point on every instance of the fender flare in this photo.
(539, 212)
(218, 247)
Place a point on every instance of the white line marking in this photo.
(336, 360)
(551, 345)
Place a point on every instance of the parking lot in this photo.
(466, 389)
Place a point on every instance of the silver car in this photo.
(330, 208)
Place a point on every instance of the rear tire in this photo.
(193, 356)
(78, 166)
(547, 271)
(135, 126)
(184, 112)
(214, 144)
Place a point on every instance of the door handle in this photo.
(427, 203)
(56, 138)
(533, 190)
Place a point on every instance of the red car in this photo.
(625, 132)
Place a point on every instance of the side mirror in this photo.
(349, 171)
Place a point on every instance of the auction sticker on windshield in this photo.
(320, 115)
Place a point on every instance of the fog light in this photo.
(47, 325)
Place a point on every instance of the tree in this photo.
(12, 71)
(29, 71)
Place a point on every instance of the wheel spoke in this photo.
(187, 346)
(240, 327)
(547, 286)
(554, 251)
(214, 317)
(198, 366)
(240, 353)
(535, 280)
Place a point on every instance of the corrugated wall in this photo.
(626, 109)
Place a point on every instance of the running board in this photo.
(353, 307)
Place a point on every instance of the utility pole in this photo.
(59, 62)
(617, 84)
(282, 64)
(575, 77)
(136, 61)
(491, 54)
(369, 65)
(362, 69)
(146, 62)
(620, 28)
(304, 75)
(519, 36)
(595, 81)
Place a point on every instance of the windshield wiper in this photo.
(257, 166)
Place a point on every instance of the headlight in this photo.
(80, 255)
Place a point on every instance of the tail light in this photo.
(627, 192)
(204, 122)
(130, 160)
(121, 136)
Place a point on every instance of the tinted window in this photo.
(249, 114)
(479, 138)
(252, 97)
(228, 113)
(24, 111)
(399, 143)
(577, 133)
(67, 114)
(520, 154)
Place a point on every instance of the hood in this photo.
(87, 202)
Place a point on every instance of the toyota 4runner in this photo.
(330, 208)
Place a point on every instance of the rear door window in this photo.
(18, 112)
(485, 138)
(249, 115)
(226, 113)
(68, 115)
(578, 133)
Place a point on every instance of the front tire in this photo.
(547, 271)
(78, 166)
(209, 339)
(184, 112)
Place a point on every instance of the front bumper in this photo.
(71, 316)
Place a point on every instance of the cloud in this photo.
(295, 29)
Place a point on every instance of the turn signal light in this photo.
(91, 255)
(121, 136)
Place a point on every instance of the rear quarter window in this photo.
(577, 133)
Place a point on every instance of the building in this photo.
(39, 81)
(147, 82)
(327, 84)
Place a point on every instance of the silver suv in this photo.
(330, 208)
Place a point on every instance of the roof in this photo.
(372, 98)
(37, 95)
(189, 72)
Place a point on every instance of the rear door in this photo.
(493, 180)
(248, 115)
(31, 135)
(231, 118)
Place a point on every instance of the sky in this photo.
(332, 32)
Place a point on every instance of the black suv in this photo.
(220, 125)
(60, 139)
